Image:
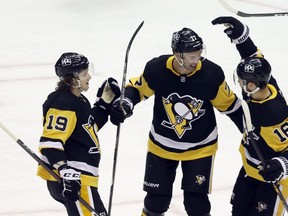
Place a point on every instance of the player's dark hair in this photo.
(65, 83)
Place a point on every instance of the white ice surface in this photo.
(34, 33)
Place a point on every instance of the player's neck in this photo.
(262, 94)
(76, 91)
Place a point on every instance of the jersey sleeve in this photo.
(246, 48)
(226, 102)
(57, 128)
(138, 89)
(100, 117)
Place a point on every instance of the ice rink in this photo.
(34, 33)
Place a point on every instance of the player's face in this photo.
(250, 86)
(84, 78)
(191, 59)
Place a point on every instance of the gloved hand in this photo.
(71, 182)
(276, 169)
(236, 31)
(119, 113)
(107, 93)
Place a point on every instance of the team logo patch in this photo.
(66, 62)
(261, 206)
(181, 112)
(91, 130)
(200, 179)
(249, 68)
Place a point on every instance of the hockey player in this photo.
(253, 193)
(69, 143)
(187, 86)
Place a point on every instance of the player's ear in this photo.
(177, 55)
(251, 86)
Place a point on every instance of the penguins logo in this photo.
(200, 179)
(261, 206)
(181, 112)
(91, 129)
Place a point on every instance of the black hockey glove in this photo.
(71, 182)
(107, 93)
(236, 31)
(120, 112)
(276, 169)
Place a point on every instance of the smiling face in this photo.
(191, 60)
(81, 83)
(187, 61)
(84, 78)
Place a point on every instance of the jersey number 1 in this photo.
(59, 124)
(283, 132)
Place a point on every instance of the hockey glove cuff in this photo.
(277, 168)
(236, 30)
(119, 112)
(71, 182)
(107, 93)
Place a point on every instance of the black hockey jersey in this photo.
(184, 125)
(69, 133)
(270, 130)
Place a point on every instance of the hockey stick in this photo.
(243, 14)
(40, 162)
(118, 127)
(248, 122)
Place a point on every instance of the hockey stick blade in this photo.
(119, 126)
(40, 162)
(243, 14)
(249, 128)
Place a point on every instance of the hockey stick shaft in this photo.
(248, 122)
(40, 162)
(119, 126)
(243, 14)
(126, 61)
